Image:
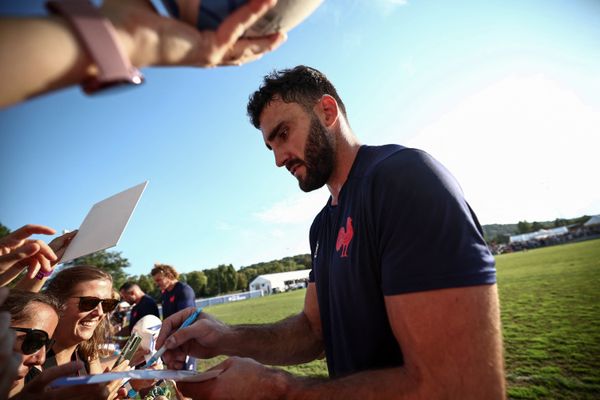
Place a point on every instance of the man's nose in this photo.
(281, 157)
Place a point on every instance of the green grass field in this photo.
(550, 301)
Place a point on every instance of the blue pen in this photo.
(189, 320)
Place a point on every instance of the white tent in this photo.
(541, 234)
(279, 282)
(594, 220)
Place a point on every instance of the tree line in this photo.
(209, 282)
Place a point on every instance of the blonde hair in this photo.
(166, 270)
(61, 287)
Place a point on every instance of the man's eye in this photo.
(283, 134)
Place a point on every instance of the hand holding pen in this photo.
(204, 338)
(187, 322)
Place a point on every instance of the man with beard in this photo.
(402, 296)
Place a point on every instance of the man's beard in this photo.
(319, 157)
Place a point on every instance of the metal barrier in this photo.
(228, 298)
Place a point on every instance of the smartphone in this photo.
(129, 349)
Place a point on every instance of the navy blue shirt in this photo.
(146, 306)
(401, 225)
(180, 297)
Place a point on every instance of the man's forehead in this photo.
(276, 113)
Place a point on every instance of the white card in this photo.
(104, 224)
(145, 374)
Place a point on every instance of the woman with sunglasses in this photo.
(86, 295)
(33, 318)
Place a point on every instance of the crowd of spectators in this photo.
(575, 233)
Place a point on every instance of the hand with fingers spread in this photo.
(17, 251)
(35, 278)
(145, 38)
(205, 338)
(157, 40)
(38, 388)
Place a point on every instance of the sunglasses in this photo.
(88, 303)
(34, 340)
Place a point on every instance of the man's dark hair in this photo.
(303, 85)
(127, 285)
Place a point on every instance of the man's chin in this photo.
(309, 186)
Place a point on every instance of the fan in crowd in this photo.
(142, 305)
(33, 318)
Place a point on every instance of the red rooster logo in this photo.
(344, 238)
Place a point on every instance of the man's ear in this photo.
(327, 109)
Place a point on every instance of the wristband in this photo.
(41, 274)
(99, 39)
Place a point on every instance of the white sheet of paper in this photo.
(104, 224)
(187, 376)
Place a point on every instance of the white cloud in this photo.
(523, 148)
(387, 7)
(278, 231)
(296, 209)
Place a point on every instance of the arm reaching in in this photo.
(30, 282)
(38, 389)
(17, 252)
(45, 55)
(294, 340)
(452, 348)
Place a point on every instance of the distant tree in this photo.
(146, 283)
(250, 273)
(3, 230)
(213, 281)
(242, 281)
(524, 227)
(109, 261)
(197, 280)
(303, 260)
(558, 222)
(229, 278)
(536, 226)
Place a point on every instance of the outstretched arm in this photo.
(294, 340)
(452, 349)
(18, 252)
(38, 55)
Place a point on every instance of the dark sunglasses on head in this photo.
(34, 340)
(88, 303)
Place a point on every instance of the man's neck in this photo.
(347, 147)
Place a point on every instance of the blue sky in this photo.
(505, 93)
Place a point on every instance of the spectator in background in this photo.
(141, 303)
(176, 295)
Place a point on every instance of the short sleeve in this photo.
(427, 236)
(188, 298)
